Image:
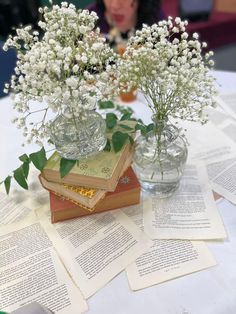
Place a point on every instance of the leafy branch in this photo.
(121, 128)
(20, 175)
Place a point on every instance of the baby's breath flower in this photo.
(169, 67)
(67, 69)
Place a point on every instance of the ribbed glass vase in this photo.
(78, 137)
(160, 158)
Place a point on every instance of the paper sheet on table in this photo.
(166, 259)
(13, 209)
(222, 174)
(30, 270)
(96, 248)
(228, 103)
(207, 141)
(190, 213)
(20, 203)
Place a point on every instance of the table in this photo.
(211, 291)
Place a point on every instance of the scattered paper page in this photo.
(96, 248)
(217, 115)
(228, 103)
(30, 270)
(229, 129)
(206, 140)
(222, 174)
(11, 210)
(190, 213)
(166, 259)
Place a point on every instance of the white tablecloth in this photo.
(211, 291)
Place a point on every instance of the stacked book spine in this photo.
(103, 182)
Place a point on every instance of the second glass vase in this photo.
(159, 159)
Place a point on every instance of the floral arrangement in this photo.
(66, 69)
(170, 69)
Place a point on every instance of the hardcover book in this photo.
(101, 171)
(86, 196)
(127, 193)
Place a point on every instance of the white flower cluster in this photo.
(68, 67)
(170, 69)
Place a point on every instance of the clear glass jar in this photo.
(160, 158)
(78, 137)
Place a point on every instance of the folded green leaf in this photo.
(106, 104)
(126, 116)
(111, 120)
(65, 166)
(39, 159)
(19, 176)
(131, 140)
(126, 127)
(7, 184)
(150, 127)
(142, 128)
(124, 110)
(118, 140)
(25, 167)
(24, 158)
(107, 148)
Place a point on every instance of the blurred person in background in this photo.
(118, 19)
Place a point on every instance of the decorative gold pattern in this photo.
(87, 192)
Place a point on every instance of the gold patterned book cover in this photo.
(101, 171)
(86, 196)
(126, 193)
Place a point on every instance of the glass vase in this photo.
(160, 158)
(78, 137)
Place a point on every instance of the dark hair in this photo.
(148, 10)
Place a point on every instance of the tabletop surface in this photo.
(211, 291)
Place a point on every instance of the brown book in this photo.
(88, 197)
(127, 193)
(101, 171)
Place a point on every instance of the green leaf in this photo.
(19, 176)
(7, 183)
(124, 110)
(24, 158)
(107, 148)
(25, 167)
(150, 127)
(39, 159)
(118, 140)
(106, 105)
(142, 128)
(126, 127)
(131, 140)
(126, 116)
(111, 120)
(65, 166)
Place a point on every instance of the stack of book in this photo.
(95, 184)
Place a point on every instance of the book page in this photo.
(228, 103)
(30, 270)
(12, 211)
(217, 115)
(166, 259)
(222, 174)
(96, 248)
(229, 129)
(190, 213)
(206, 140)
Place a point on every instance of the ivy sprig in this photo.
(122, 127)
(20, 175)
